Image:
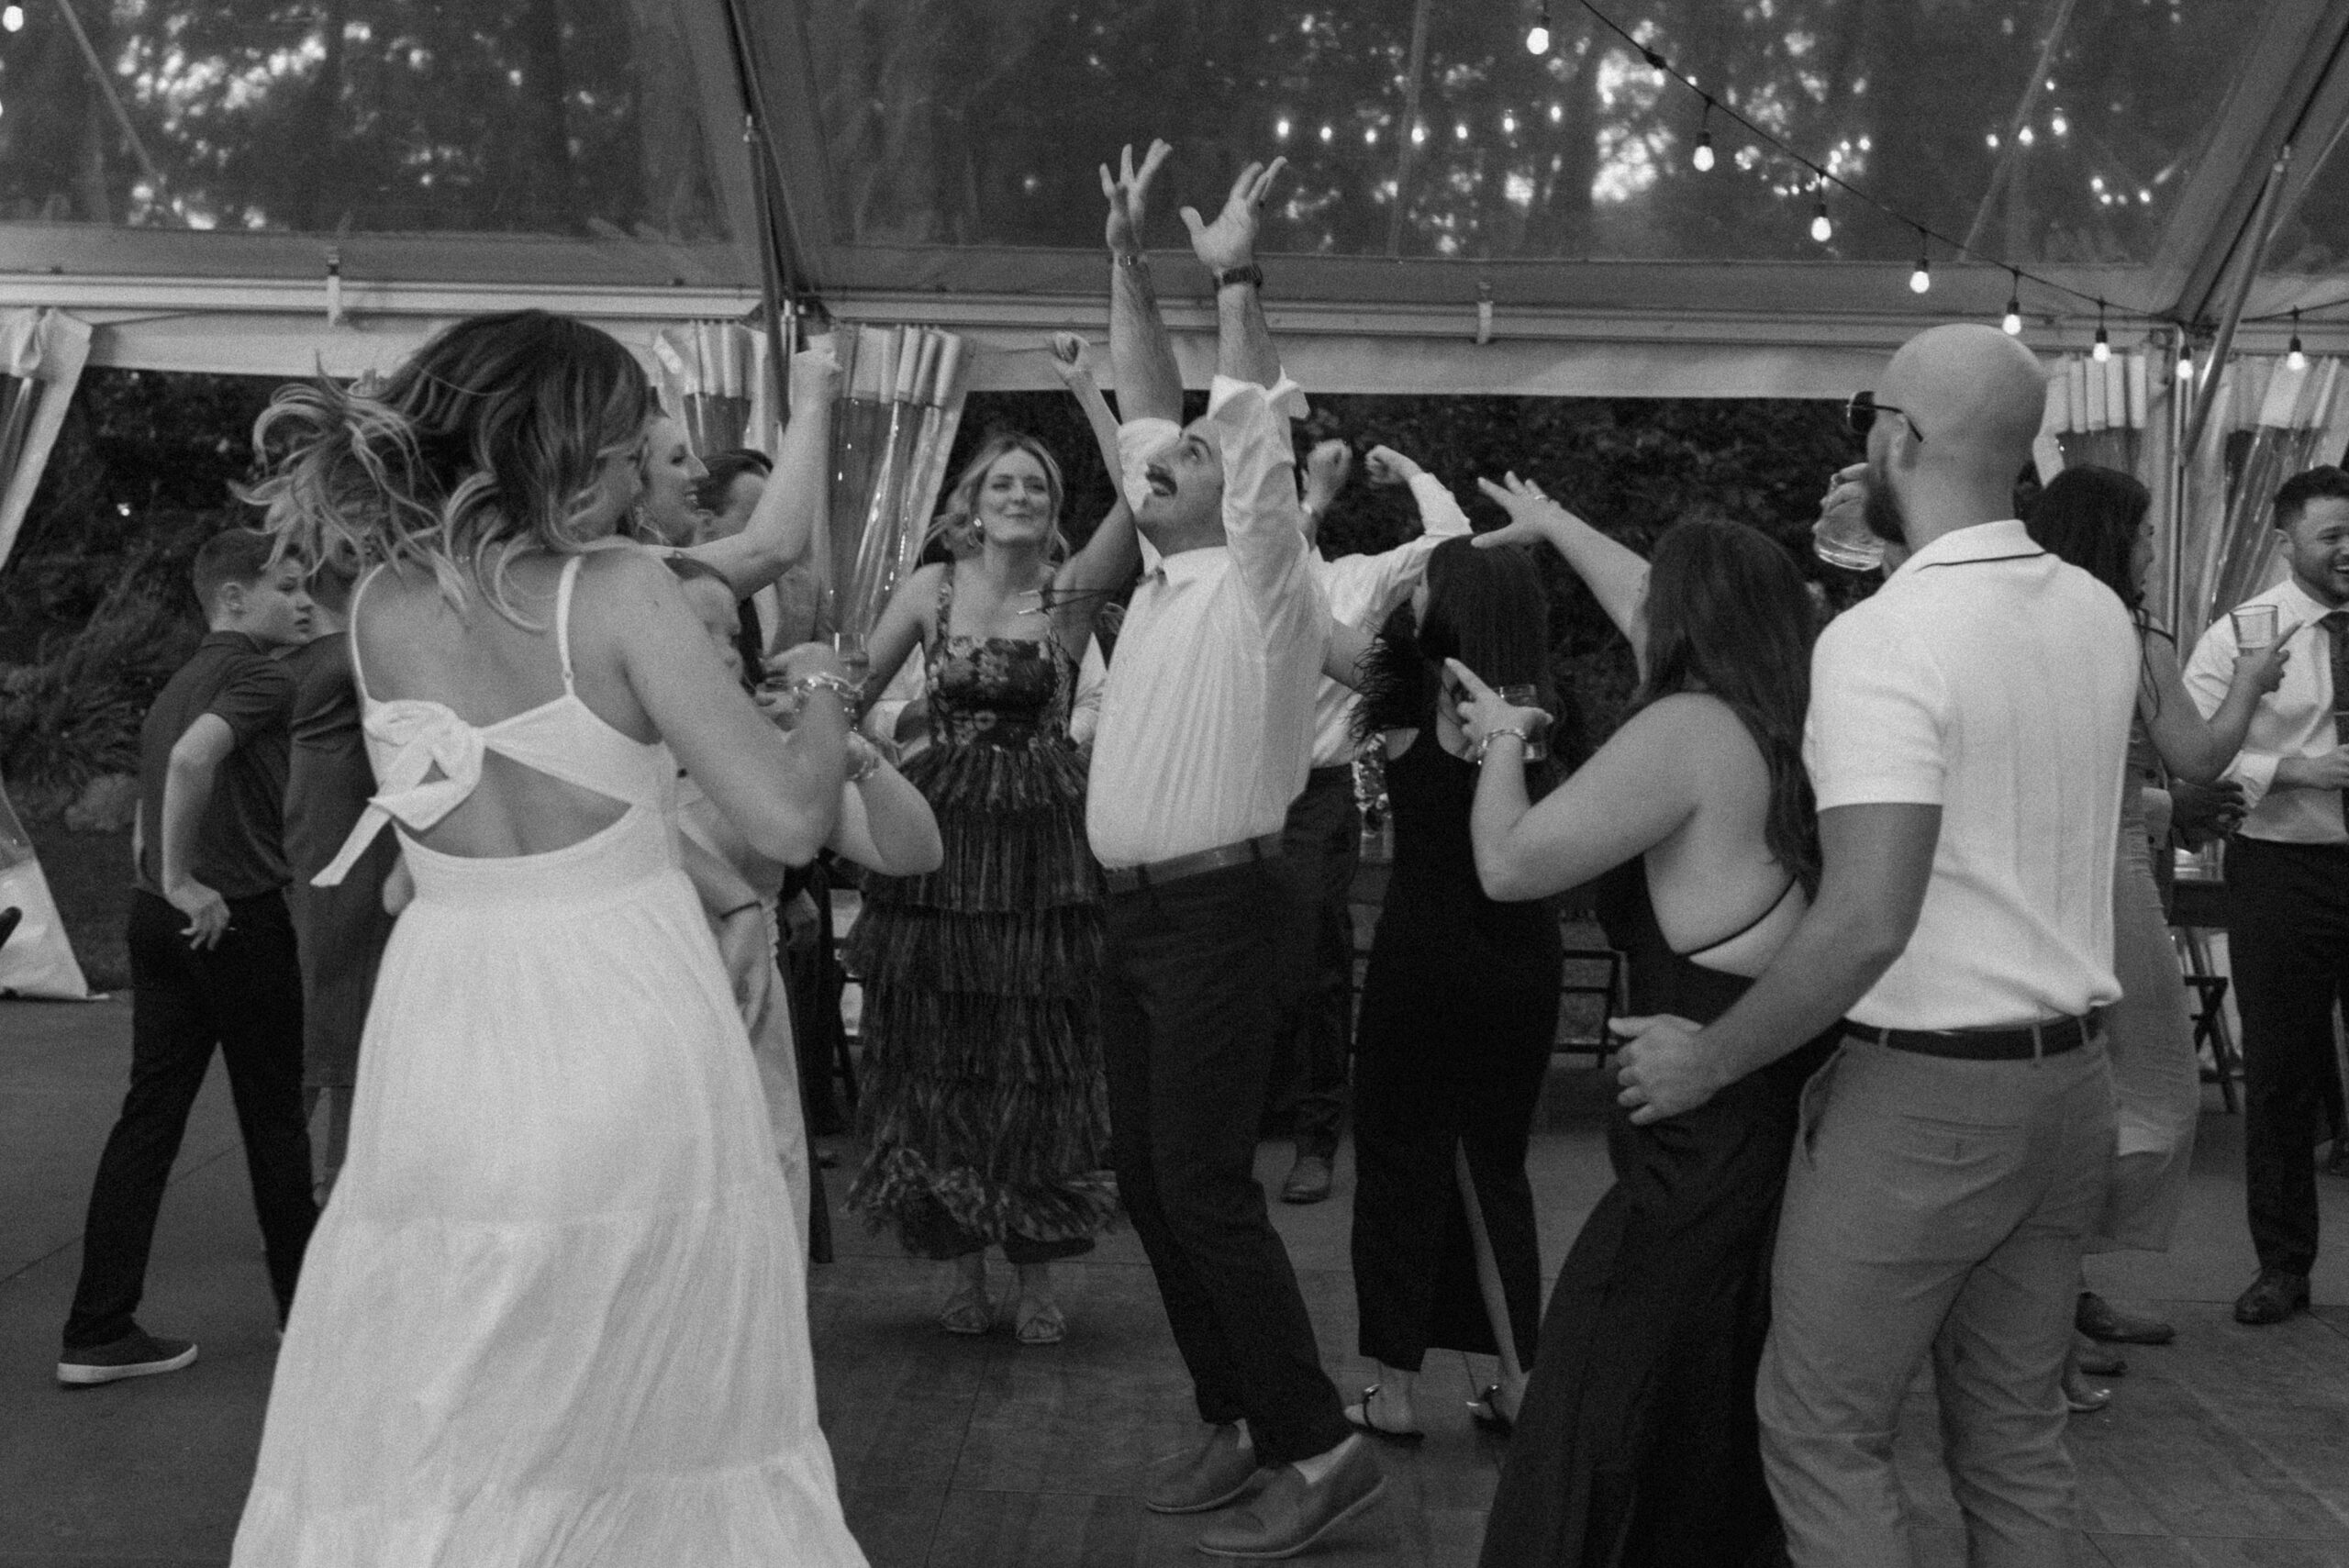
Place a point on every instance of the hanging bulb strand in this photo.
(2103, 350)
(1537, 37)
(2012, 325)
(2296, 358)
(1822, 228)
(1703, 157)
(1922, 278)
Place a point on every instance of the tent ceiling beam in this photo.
(2283, 88)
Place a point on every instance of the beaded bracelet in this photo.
(841, 686)
(1486, 743)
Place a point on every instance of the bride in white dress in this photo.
(556, 1312)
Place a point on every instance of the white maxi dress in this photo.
(555, 1313)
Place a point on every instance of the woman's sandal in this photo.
(967, 1311)
(1485, 1410)
(1360, 1416)
(1045, 1325)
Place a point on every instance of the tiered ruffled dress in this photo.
(556, 1312)
(983, 1097)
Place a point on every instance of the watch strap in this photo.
(1251, 274)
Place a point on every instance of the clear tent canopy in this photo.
(266, 183)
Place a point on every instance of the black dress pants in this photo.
(2288, 943)
(244, 996)
(1187, 1000)
(1320, 844)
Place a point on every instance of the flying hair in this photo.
(491, 441)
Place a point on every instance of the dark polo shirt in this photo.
(240, 848)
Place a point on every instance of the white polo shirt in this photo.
(1990, 679)
(2293, 720)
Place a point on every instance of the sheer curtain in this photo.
(900, 404)
(712, 379)
(41, 356)
(2271, 421)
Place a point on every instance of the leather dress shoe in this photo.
(1220, 1472)
(2100, 1320)
(1309, 1180)
(2274, 1296)
(1290, 1515)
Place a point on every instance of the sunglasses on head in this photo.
(1860, 414)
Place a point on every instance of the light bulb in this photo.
(13, 18)
(1280, 128)
(1703, 157)
(1820, 229)
(2297, 358)
(1537, 39)
(1922, 278)
(2011, 325)
(2103, 350)
(2184, 360)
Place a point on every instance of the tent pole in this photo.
(106, 90)
(2004, 172)
(773, 288)
(2254, 253)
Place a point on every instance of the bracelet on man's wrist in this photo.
(1251, 274)
(1138, 261)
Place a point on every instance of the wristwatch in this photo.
(1251, 274)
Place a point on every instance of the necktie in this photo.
(2336, 629)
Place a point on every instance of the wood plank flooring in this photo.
(2227, 1450)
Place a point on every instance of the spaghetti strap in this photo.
(946, 602)
(1767, 911)
(350, 630)
(563, 618)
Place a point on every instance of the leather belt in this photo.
(2049, 1037)
(1133, 879)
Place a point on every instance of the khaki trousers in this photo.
(1932, 1207)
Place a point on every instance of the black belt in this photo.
(1133, 879)
(2051, 1038)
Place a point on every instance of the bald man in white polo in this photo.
(1967, 731)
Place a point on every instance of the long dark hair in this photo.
(1728, 616)
(1487, 610)
(2090, 517)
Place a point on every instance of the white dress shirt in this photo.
(1990, 679)
(2293, 720)
(1362, 591)
(1208, 712)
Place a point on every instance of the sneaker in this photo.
(136, 1354)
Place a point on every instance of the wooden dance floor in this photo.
(2229, 1448)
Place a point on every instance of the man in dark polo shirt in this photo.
(212, 956)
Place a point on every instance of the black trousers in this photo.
(1187, 1000)
(1319, 847)
(244, 996)
(2288, 943)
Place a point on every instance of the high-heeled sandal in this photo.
(1360, 1416)
(1485, 1410)
(1045, 1325)
(967, 1311)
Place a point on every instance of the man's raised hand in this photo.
(1128, 192)
(1230, 240)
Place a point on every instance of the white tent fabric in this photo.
(36, 960)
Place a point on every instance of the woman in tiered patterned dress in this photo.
(983, 1101)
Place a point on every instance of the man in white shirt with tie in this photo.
(1202, 744)
(2288, 880)
(1322, 838)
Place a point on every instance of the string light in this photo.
(1703, 157)
(2297, 358)
(2185, 359)
(2103, 350)
(1922, 278)
(13, 18)
(2012, 325)
(1537, 37)
(1821, 228)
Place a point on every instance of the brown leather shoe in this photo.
(1220, 1472)
(1309, 1180)
(1290, 1515)
(2274, 1296)
(2100, 1320)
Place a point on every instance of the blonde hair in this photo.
(962, 501)
(490, 442)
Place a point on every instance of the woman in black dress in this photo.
(1447, 1074)
(1637, 1442)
